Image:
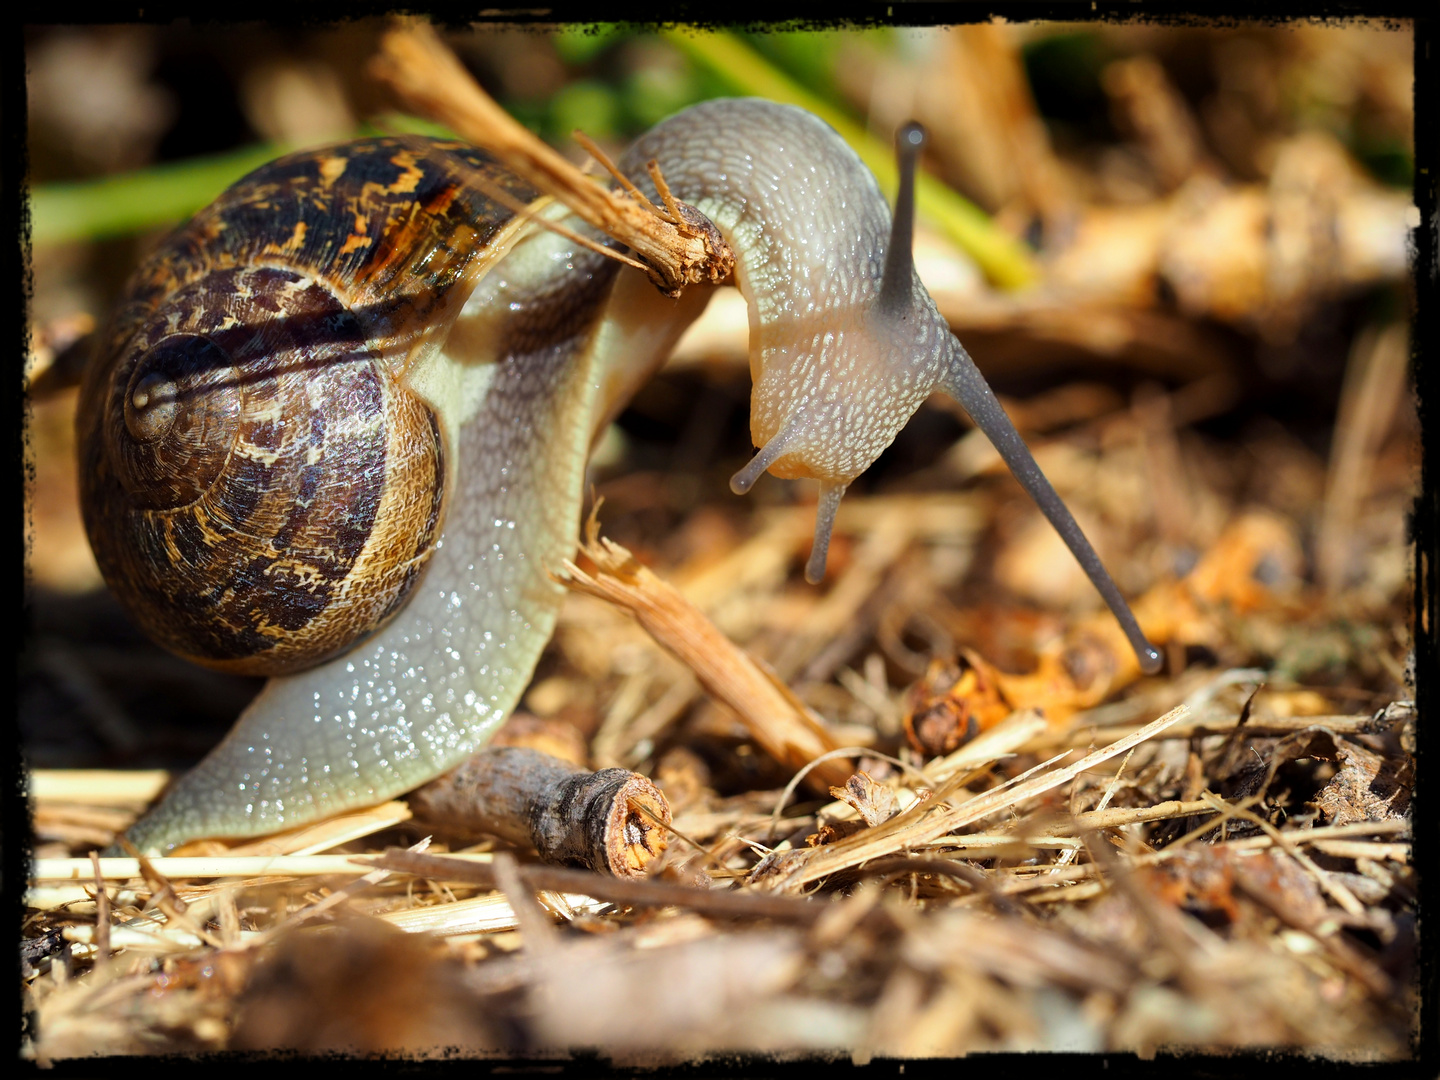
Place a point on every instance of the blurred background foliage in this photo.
(1238, 178)
(108, 101)
(1218, 213)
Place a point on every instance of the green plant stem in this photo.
(135, 201)
(1002, 258)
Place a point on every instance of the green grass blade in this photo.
(1002, 258)
(136, 201)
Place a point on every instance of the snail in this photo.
(339, 431)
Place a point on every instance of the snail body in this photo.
(492, 353)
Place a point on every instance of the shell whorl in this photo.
(260, 493)
(261, 488)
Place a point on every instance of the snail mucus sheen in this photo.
(340, 431)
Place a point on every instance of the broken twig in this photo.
(604, 821)
(416, 64)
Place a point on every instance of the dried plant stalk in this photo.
(221, 866)
(610, 821)
(321, 836)
(648, 893)
(97, 787)
(925, 821)
(1000, 741)
(486, 914)
(417, 65)
(777, 720)
(1359, 724)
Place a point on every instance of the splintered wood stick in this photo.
(612, 821)
(415, 63)
(779, 722)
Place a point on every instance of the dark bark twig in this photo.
(735, 904)
(605, 821)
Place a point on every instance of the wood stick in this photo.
(777, 720)
(102, 913)
(604, 820)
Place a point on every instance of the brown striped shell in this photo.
(259, 486)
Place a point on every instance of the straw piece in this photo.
(914, 827)
(162, 939)
(777, 720)
(418, 66)
(97, 787)
(220, 866)
(488, 914)
(330, 833)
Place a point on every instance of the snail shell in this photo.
(260, 489)
(260, 493)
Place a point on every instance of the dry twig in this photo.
(418, 66)
(605, 821)
(742, 904)
(776, 719)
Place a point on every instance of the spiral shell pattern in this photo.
(261, 490)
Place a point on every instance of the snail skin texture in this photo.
(363, 325)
